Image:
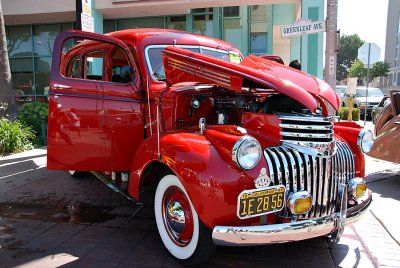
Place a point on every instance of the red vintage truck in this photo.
(229, 150)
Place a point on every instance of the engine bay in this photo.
(220, 106)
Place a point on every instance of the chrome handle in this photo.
(61, 86)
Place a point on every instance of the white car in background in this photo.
(360, 100)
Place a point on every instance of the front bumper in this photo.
(287, 232)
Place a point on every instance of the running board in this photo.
(114, 186)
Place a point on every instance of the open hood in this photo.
(182, 65)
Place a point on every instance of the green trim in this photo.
(312, 48)
(217, 22)
(244, 11)
(189, 22)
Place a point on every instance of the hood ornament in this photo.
(263, 180)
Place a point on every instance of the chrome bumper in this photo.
(287, 232)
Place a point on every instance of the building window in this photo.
(258, 30)
(19, 42)
(30, 49)
(177, 23)
(203, 21)
(108, 26)
(232, 26)
(230, 12)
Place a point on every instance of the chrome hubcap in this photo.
(177, 216)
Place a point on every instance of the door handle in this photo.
(61, 86)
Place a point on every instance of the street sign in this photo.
(303, 26)
(351, 86)
(371, 49)
(87, 23)
(87, 7)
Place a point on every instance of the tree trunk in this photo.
(7, 100)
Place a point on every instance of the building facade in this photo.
(252, 25)
(392, 46)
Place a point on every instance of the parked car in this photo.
(376, 110)
(387, 131)
(227, 149)
(360, 100)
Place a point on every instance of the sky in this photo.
(367, 18)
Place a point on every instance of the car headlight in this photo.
(365, 140)
(246, 152)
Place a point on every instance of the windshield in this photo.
(156, 67)
(372, 92)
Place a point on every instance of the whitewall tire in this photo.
(180, 229)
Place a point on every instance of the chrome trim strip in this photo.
(308, 135)
(278, 166)
(306, 127)
(314, 191)
(320, 185)
(306, 118)
(285, 232)
(270, 167)
(300, 167)
(293, 167)
(326, 186)
(285, 164)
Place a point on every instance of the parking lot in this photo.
(48, 219)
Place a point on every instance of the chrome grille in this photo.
(319, 176)
(311, 132)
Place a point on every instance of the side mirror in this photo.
(126, 73)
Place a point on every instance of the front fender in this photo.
(212, 183)
(349, 132)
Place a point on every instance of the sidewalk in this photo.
(48, 219)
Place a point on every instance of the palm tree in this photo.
(7, 100)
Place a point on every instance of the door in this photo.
(78, 136)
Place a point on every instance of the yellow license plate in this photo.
(257, 202)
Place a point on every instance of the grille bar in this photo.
(319, 176)
(306, 127)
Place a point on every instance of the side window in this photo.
(93, 65)
(73, 69)
(119, 66)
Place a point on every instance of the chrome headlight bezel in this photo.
(365, 140)
(246, 161)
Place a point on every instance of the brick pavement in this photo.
(48, 219)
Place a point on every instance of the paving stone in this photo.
(96, 233)
(310, 255)
(86, 262)
(111, 252)
(76, 246)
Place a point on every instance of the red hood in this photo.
(182, 65)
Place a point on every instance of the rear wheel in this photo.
(181, 231)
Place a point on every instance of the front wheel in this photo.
(181, 231)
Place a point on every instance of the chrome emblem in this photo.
(263, 180)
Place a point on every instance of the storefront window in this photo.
(203, 24)
(231, 12)
(177, 23)
(19, 41)
(233, 32)
(43, 39)
(22, 77)
(108, 26)
(258, 30)
(30, 49)
(42, 75)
